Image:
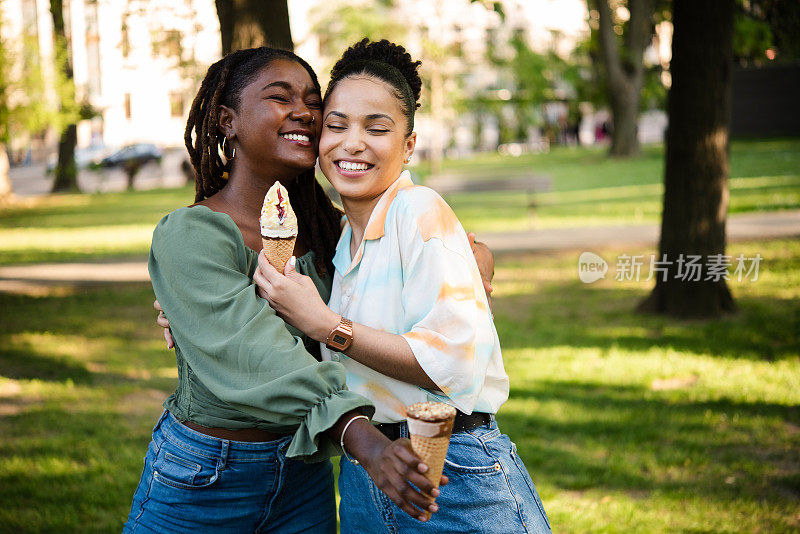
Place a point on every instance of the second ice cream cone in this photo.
(430, 425)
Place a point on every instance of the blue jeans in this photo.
(489, 491)
(196, 483)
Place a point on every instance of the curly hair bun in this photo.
(381, 51)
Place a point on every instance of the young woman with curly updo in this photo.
(408, 289)
(252, 403)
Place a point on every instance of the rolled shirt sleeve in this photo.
(232, 341)
(447, 320)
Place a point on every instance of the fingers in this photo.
(161, 320)
(290, 266)
(487, 286)
(263, 285)
(404, 505)
(398, 469)
(407, 455)
(410, 468)
(168, 337)
(267, 269)
(410, 500)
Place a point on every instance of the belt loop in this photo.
(223, 453)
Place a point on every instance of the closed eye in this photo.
(335, 127)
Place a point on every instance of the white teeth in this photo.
(296, 137)
(350, 166)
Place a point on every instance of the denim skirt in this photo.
(490, 490)
(196, 483)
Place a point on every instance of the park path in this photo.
(743, 227)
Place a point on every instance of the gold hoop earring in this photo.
(224, 152)
(408, 159)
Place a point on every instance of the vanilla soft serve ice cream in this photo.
(277, 216)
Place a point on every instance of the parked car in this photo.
(139, 153)
(85, 158)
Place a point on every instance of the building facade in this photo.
(136, 62)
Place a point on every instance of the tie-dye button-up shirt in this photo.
(414, 274)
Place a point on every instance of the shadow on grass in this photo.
(71, 449)
(572, 314)
(120, 311)
(71, 470)
(624, 438)
(102, 336)
(23, 364)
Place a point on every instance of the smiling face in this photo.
(272, 127)
(364, 143)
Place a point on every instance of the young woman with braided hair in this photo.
(227, 454)
(318, 218)
(410, 290)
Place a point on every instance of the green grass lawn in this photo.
(591, 189)
(588, 189)
(633, 423)
(83, 227)
(627, 423)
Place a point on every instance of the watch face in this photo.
(339, 340)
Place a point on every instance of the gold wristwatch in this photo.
(340, 337)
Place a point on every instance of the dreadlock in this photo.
(317, 217)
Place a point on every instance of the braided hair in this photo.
(388, 62)
(317, 217)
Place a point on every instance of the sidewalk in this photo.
(744, 227)
(750, 226)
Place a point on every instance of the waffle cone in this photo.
(278, 250)
(432, 450)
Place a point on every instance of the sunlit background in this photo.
(544, 124)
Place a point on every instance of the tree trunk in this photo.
(66, 171)
(227, 18)
(131, 168)
(66, 175)
(625, 70)
(624, 103)
(6, 190)
(250, 23)
(696, 171)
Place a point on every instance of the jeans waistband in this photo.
(462, 423)
(203, 444)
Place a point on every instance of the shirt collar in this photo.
(341, 259)
(377, 219)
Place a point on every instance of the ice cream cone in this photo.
(429, 426)
(278, 250)
(278, 226)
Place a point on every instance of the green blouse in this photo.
(239, 364)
